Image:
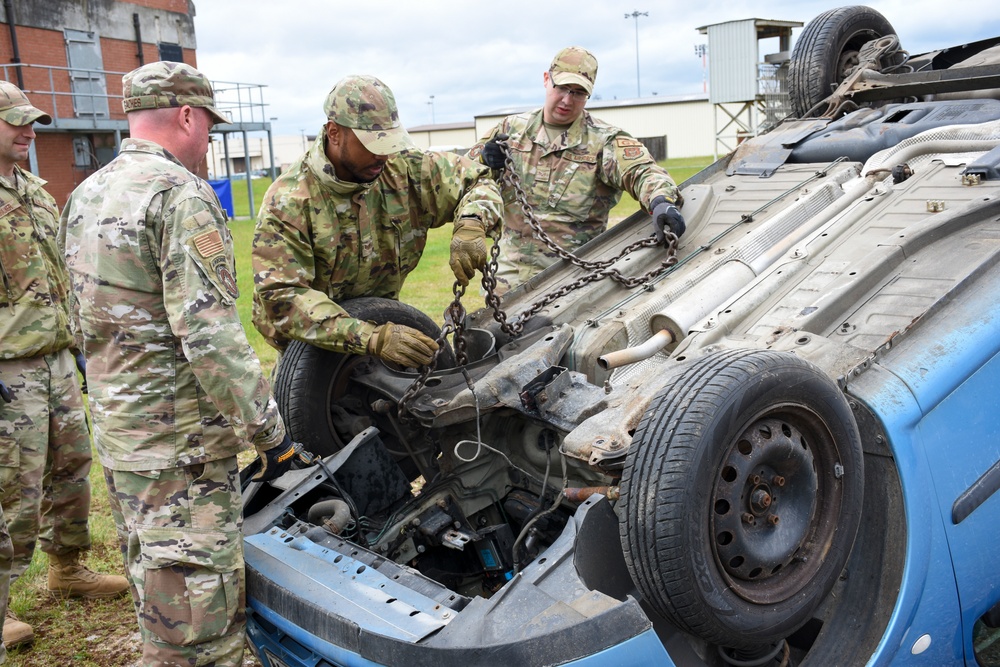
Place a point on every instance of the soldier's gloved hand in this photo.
(666, 217)
(468, 250)
(276, 461)
(493, 154)
(5, 393)
(402, 345)
(81, 365)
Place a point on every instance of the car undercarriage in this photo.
(710, 466)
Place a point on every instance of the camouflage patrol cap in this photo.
(166, 84)
(16, 109)
(574, 65)
(366, 105)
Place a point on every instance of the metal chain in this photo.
(455, 312)
(454, 316)
(599, 270)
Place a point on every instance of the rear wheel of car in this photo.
(321, 406)
(827, 50)
(742, 496)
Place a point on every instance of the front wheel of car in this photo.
(322, 405)
(741, 496)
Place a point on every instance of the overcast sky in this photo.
(475, 57)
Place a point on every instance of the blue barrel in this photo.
(224, 191)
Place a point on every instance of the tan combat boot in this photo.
(15, 632)
(70, 579)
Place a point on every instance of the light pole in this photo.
(700, 50)
(304, 146)
(431, 102)
(635, 15)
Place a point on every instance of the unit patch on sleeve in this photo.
(211, 257)
(221, 268)
(628, 148)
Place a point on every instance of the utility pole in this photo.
(635, 15)
(431, 102)
(700, 50)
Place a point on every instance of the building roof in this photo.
(766, 24)
(654, 100)
(464, 125)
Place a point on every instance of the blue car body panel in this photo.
(942, 439)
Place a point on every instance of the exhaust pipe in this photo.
(630, 355)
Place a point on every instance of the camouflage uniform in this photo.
(320, 240)
(43, 432)
(175, 388)
(571, 182)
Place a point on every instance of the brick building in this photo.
(69, 57)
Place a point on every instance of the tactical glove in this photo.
(468, 250)
(5, 393)
(276, 461)
(402, 345)
(81, 365)
(666, 217)
(494, 156)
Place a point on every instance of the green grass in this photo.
(242, 230)
(241, 206)
(680, 170)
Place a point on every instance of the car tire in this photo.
(309, 379)
(826, 49)
(741, 434)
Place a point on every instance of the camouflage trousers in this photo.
(180, 534)
(44, 438)
(7, 475)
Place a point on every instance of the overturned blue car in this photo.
(779, 447)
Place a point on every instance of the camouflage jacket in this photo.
(173, 380)
(321, 240)
(571, 183)
(34, 283)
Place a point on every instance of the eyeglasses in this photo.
(575, 95)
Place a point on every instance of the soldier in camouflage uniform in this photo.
(350, 219)
(573, 168)
(43, 429)
(175, 389)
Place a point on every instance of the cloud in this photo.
(475, 57)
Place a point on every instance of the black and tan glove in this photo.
(666, 217)
(402, 345)
(468, 249)
(493, 155)
(278, 460)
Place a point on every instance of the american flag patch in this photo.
(209, 244)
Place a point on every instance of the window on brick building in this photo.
(86, 75)
(171, 52)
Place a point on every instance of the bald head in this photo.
(183, 131)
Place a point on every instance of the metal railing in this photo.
(772, 90)
(78, 101)
(78, 98)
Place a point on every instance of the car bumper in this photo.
(313, 599)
